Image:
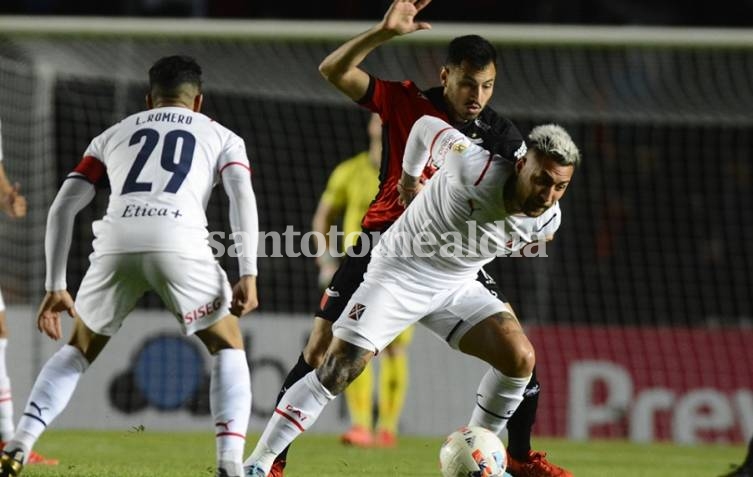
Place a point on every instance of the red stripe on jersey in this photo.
(235, 163)
(290, 418)
(91, 168)
(486, 168)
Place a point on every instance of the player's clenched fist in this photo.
(245, 299)
(14, 204)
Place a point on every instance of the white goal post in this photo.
(504, 33)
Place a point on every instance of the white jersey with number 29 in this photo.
(162, 165)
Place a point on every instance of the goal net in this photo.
(641, 314)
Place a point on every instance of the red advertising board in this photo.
(645, 383)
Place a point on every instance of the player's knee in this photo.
(521, 360)
(218, 338)
(88, 343)
(217, 344)
(512, 355)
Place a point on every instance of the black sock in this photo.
(300, 370)
(520, 425)
(749, 458)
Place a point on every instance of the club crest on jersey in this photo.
(459, 146)
(356, 312)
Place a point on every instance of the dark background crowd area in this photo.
(737, 13)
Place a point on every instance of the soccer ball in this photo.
(472, 452)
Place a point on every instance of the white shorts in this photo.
(382, 309)
(194, 289)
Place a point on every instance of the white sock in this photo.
(51, 392)
(230, 403)
(498, 397)
(297, 411)
(6, 398)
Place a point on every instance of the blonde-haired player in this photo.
(467, 79)
(478, 206)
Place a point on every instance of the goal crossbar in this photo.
(322, 30)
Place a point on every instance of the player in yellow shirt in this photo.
(350, 189)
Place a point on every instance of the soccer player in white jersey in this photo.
(477, 206)
(162, 164)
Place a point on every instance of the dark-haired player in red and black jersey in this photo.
(467, 82)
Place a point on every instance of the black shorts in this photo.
(349, 276)
(346, 279)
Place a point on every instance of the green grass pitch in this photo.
(159, 454)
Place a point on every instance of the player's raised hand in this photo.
(48, 316)
(14, 203)
(401, 15)
(244, 296)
